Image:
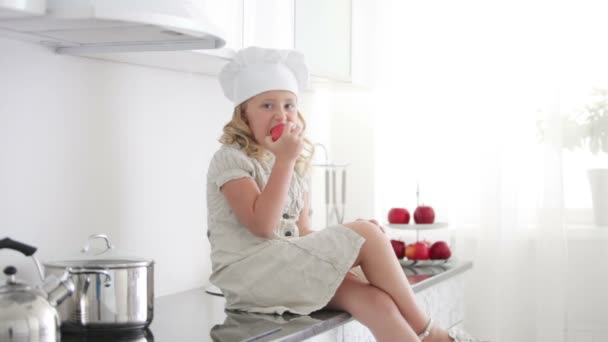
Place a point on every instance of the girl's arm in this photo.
(303, 222)
(260, 211)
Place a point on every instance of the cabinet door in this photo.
(227, 16)
(323, 34)
(269, 23)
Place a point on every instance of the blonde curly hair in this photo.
(237, 131)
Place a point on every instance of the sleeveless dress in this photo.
(286, 273)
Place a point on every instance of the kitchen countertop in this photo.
(196, 315)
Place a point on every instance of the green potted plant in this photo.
(586, 128)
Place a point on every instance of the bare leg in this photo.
(374, 308)
(382, 269)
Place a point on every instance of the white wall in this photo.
(340, 119)
(98, 147)
(352, 143)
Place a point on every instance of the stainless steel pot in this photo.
(125, 300)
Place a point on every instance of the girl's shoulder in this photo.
(231, 154)
(229, 163)
(232, 149)
(263, 159)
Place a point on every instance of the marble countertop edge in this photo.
(462, 267)
(195, 315)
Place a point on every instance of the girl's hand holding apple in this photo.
(289, 142)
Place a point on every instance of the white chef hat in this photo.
(255, 70)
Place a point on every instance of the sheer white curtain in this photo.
(460, 89)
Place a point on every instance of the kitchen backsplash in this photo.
(97, 147)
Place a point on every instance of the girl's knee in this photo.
(381, 302)
(365, 228)
(372, 303)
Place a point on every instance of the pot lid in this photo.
(13, 285)
(105, 257)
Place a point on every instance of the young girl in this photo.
(265, 257)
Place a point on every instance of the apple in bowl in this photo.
(440, 251)
(398, 216)
(417, 251)
(424, 214)
(399, 248)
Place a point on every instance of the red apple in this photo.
(399, 248)
(277, 131)
(417, 251)
(424, 214)
(440, 250)
(410, 251)
(399, 216)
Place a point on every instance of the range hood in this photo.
(20, 8)
(100, 26)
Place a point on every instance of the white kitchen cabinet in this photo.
(227, 16)
(320, 29)
(269, 23)
(264, 23)
(323, 32)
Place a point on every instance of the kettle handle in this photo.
(27, 250)
(9, 243)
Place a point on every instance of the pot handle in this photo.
(59, 289)
(87, 245)
(108, 277)
(9, 243)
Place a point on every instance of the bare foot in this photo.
(452, 335)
